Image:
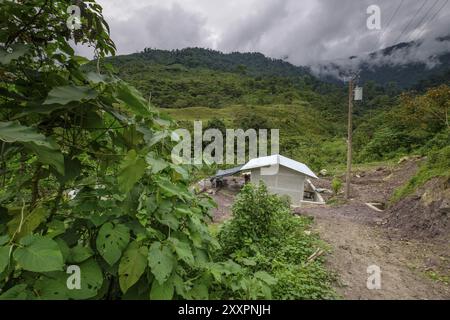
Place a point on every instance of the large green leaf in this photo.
(4, 239)
(79, 254)
(13, 131)
(48, 155)
(91, 280)
(168, 187)
(47, 151)
(132, 265)
(183, 250)
(28, 222)
(133, 99)
(112, 240)
(132, 169)
(38, 254)
(267, 278)
(157, 165)
(54, 285)
(64, 95)
(4, 257)
(161, 291)
(18, 292)
(52, 288)
(161, 261)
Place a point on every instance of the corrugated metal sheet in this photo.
(279, 160)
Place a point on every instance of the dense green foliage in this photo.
(87, 178)
(419, 125)
(182, 86)
(255, 64)
(405, 128)
(264, 235)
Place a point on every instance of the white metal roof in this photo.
(280, 160)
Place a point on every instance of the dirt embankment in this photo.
(425, 214)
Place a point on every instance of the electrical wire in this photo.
(390, 20)
(410, 21)
(432, 18)
(423, 18)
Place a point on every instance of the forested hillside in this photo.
(231, 90)
(396, 66)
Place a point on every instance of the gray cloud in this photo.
(306, 32)
(159, 27)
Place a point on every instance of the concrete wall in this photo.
(286, 182)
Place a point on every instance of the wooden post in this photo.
(349, 139)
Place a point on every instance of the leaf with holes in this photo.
(111, 241)
(53, 286)
(91, 280)
(132, 265)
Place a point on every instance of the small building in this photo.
(282, 176)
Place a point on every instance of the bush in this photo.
(336, 185)
(265, 236)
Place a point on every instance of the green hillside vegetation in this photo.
(418, 124)
(228, 89)
(304, 134)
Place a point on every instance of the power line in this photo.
(432, 18)
(390, 20)
(410, 21)
(423, 18)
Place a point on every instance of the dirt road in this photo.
(357, 244)
(358, 240)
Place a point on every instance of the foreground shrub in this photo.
(265, 236)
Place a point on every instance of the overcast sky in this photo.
(303, 31)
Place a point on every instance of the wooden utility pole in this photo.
(349, 139)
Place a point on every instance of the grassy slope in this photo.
(304, 134)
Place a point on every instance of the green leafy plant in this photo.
(87, 178)
(264, 236)
(336, 185)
